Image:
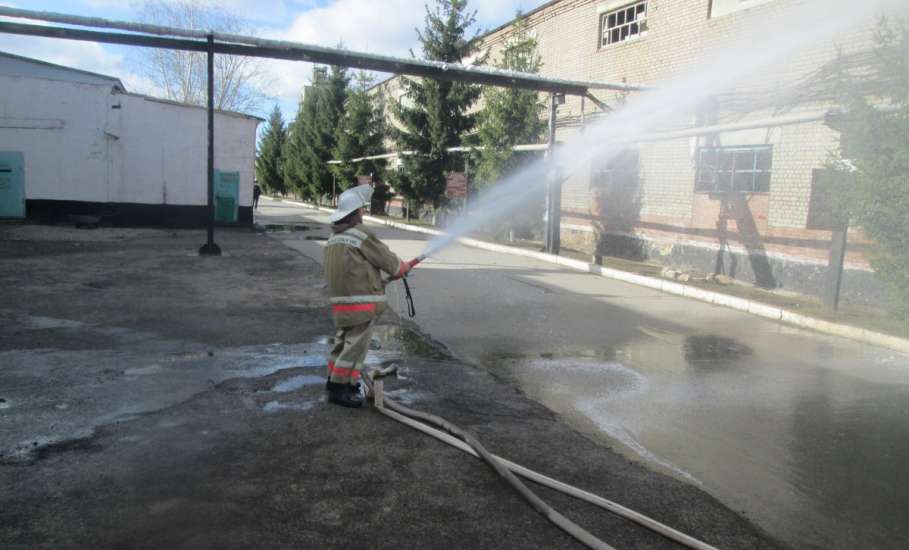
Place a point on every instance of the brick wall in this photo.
(680, 34)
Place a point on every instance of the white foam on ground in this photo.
(624, 383)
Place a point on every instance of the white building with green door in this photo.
(75, 143)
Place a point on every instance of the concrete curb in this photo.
(716, 298)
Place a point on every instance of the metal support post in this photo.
(603, 107)
(210, 248)
(553, 186)
(834, 276)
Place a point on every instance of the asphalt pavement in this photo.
(801, 432)
(153, 398)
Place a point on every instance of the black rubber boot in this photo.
(346, 396)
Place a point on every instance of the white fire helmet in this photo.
(352, 200)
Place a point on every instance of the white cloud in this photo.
(87, 56)
(118, 5)
(492, 13)
(385, 27)
(376, 26)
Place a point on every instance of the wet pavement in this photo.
(152, 398)
(803, 433)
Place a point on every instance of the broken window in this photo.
(744, 169)
(624, 23)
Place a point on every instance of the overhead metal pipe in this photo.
(664, 136)
(789, 120)
(281, 49)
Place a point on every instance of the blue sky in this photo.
(377, 26)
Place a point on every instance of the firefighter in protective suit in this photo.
(354, 260)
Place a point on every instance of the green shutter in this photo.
(227, 196)
(12, 185)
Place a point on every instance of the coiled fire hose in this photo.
(460, 439)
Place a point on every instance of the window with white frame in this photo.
(744, 169)
(625, 23)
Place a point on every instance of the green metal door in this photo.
(227, 196)
(12, 185)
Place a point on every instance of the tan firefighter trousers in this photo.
(345, 364)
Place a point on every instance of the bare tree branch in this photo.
(240, 83)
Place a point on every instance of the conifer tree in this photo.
(869, 172)
(510, 116)
(434, 114)
(361, 133)
(294, 169)
(270, 161)
(312, 136)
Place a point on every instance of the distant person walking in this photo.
(256, 192)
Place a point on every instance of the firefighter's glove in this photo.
(403, 270)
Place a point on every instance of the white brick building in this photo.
(680, 201)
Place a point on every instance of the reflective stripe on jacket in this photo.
(354, 260)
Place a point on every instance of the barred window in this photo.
(743, 169)
(624, 23)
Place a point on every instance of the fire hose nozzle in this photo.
(412, 263)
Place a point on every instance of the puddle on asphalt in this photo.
(141, 371)
(296, 382)
(281, 228)
(38, 322)
(587, 388)
(189, 356)
(406, 396)
(809, 444)
(713, 351)
(100, 284)
(84, 444)
(263, 363)
(408, 342)
(41, 448)
(170, 376)
(277, 406)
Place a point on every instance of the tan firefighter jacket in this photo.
(354, 260)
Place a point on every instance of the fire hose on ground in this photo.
(453, 435)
